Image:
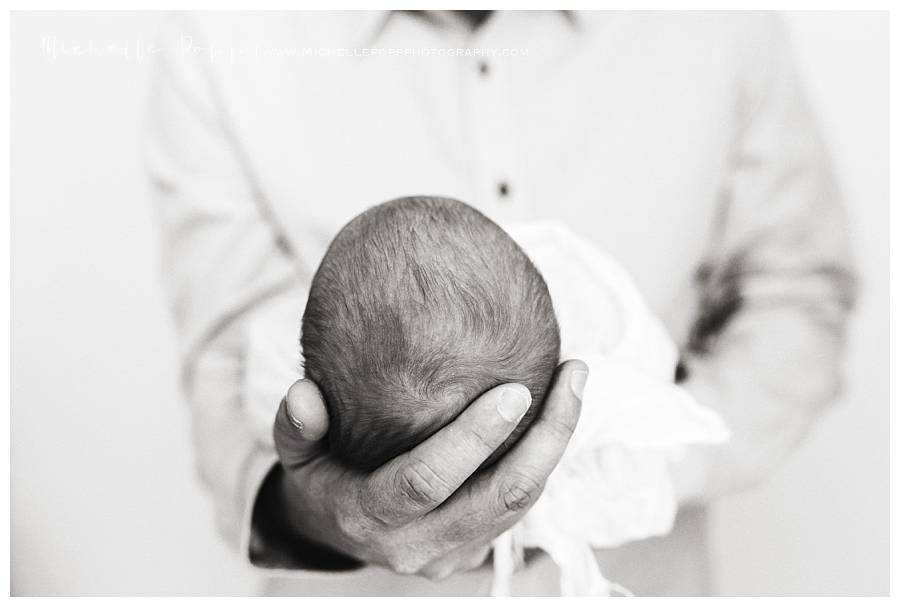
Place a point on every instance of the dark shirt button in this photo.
(503, 189)
(483, 68)
(282, 243)
(681, 372)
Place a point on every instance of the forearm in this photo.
(223, 260)
(770, 376)
(777, 282)
(231, 459)
(234, 385)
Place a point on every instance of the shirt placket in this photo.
(493, 149)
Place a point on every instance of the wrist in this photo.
(284, 531)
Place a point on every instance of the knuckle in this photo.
(407, 568)
(482, 440)
(438, 574)
(352, 525)
(402, 562)
(519, 493)
(560, 429)
(421, 485)
(478, 558)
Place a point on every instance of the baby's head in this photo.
(420, 305)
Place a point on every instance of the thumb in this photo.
(300, 424)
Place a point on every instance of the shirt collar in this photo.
(371, 24)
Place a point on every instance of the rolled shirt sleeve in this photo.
(222, 260)
(777, 285)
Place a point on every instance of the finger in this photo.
(300, 424)
(543, 444)
(418, 481)
(476, 558)
(472, 556)
(465, 558)
(498, 497)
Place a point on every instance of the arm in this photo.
(427, 511)
(776, 287)
(222, 261)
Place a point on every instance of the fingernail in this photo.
(577, 381)
(294, 421)
(513, 404)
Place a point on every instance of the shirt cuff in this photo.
(268, 545)
(258, 470)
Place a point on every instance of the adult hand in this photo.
(426, 511)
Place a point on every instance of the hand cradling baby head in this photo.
(419, 306)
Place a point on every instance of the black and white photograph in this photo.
(330, 302)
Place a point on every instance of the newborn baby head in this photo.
(419, 306)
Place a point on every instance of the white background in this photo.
(104, 498)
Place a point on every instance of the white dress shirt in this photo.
(680, 143)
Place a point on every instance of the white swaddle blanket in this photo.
(613, 483)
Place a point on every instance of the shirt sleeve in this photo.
(777, 285)
(223, 262)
